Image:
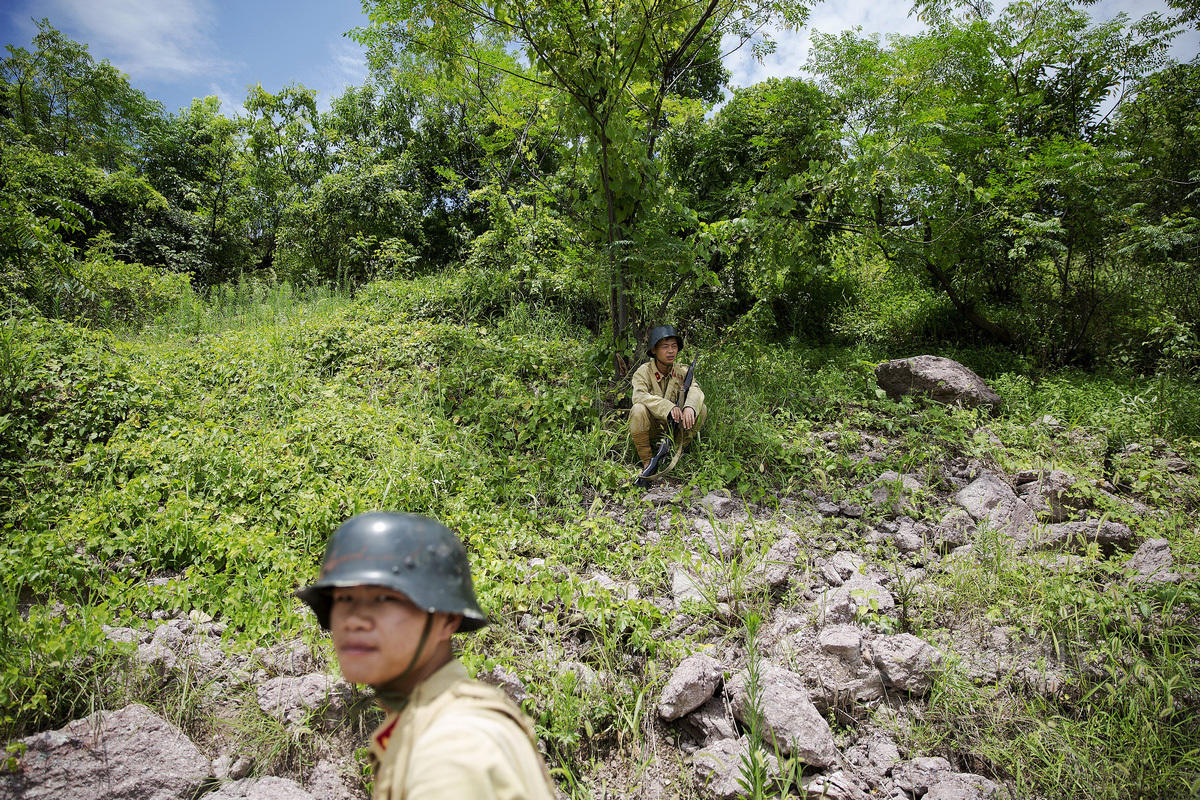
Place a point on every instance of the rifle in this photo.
(664, 446)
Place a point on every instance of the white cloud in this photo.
(149, 39)
(347, 67)
(230, 107)
(792, 48)
(884, 18)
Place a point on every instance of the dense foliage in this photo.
(1021, 176)
(223, 334)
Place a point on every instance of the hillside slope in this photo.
(164, 493)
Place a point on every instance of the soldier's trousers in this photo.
(644, 427)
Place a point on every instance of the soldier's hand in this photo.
(677, 414)
(689, 418)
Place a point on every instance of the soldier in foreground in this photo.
(392, 591)
(657, 388)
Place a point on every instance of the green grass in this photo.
(220, 445)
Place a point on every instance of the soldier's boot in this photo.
(642, 442)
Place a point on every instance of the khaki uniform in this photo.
(458, 738)
(654, 395)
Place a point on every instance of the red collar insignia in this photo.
(382, 738)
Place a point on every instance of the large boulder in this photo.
(1111, 536)
(992, 502)
(942, 379)
(1052, 495)
(785, 713)
(857, 595)
(712, 721)
(690, 686)
(293, 701)
(1152, 563)
(906, 663)
(130, 754)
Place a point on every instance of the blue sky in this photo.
(175, 50)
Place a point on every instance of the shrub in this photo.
(104, 291)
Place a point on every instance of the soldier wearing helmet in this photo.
(392, 591)
(656, 387)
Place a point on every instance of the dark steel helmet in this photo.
(660, 333)
(411, 554)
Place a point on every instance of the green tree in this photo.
(978, 158)
(64, 102)
(284, 155)
(617, 73)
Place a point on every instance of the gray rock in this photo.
(955, 529)
(907, 541)
(716, 541)
(232, 767)
(837, 785)
(845, 563)
(1152, 563)
(843, 642)
(328, 781)
(293, 657)
(510, 683)
(604, 581)
(776, 569)
(267, 788)
(1052, 495)
(130, 754)
(124, 635)
(1109, 535)
(293, 700)
(156, 657)
(585, 677)
(712, 721)
(719, 767)
(962, 786)
(848, 509)
(906, 663)
(690, 686)
(917, 775)
(718, 505)
(857, 595)
(685, 586)
(991, 501)
(893, 492)
(827, 509)
(788, 718)
(941, 379)
(874, 755)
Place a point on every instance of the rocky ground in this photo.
(810, 681)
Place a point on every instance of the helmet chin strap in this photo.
(389, 693)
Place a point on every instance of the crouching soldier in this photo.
(392, 591)
(656, 387)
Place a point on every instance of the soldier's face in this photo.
(376, 632)
(666, 350)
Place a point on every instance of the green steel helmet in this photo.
(660, 333)
(411, 554)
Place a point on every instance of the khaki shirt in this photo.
(458, 738)
(649, 389)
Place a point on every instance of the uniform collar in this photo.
(659, 375)
(425, 693)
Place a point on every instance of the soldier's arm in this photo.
(660, 407)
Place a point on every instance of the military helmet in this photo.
(411, 554)
(660, 333)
